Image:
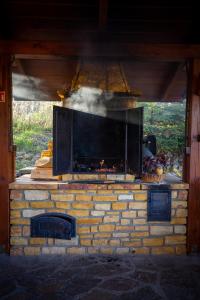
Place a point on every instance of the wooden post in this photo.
(192, 163)
(6, 151)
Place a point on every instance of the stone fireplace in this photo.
(110, 218)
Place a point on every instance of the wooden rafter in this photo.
(103, 14)
(171, 52)
(170, 81)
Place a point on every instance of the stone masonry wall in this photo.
(111, 218)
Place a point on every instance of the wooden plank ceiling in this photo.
(100, 21)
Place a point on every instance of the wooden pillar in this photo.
(6, 149)
(192, 163)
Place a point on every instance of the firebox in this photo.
(90, 143)
(53, 225)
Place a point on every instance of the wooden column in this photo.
(192, 165)
(6, 149)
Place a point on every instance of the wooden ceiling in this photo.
(140, 21)
(100, 28)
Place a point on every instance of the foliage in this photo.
(32, 129)
(167, 122)
(151, 164)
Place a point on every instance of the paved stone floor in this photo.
(100, 277)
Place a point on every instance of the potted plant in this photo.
(154, 168)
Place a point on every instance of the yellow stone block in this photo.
(50, 241)
(136, 243)
(89, 221)
(83, 230)
(38, 241)
(114, 242)
(102, 235)
(63, 205)
(102, 242)
(143, 250)
(79, 213)
(141, 228)
(140, 196)
(129, 214)
(26, 231)
(139, 221)
(163, 250)
(15, 214)
(141, 213)
(82, 205)
(138, 205)
(42, 204)
(140, 234)
(104, 198)
(20, 221)
(32, 251)
(125, 221)
(111, 219)
(122, 250)
(16, 231)
(15, 204)
(106, 228)
(153, 241)
(93, 250)
(179, 204)
(175, 239)
(161, 230)
(94, 228)
(181, 212)
(113, 213)
(16, 195)
(180, 221)
(62, 197)
(18, 241)
(106, 250)
(119, 206)
(83, 197)
(85, 242)
(86, 236)
(124, 228)
(75, 250)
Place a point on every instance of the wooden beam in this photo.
(170, 81)
(171, 52)
(6, 150)
(103, 14)
(192, 161)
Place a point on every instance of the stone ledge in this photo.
(25, 183)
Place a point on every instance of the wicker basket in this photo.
(153, 178)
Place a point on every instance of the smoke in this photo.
(28, 88)
(89, 99)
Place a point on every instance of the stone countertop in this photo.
(25, 182)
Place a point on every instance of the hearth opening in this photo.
(53, 225)
(90, 143)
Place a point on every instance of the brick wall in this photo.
(111, 218)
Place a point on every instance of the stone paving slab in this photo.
(100, 277)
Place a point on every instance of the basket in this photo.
(153, 178)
